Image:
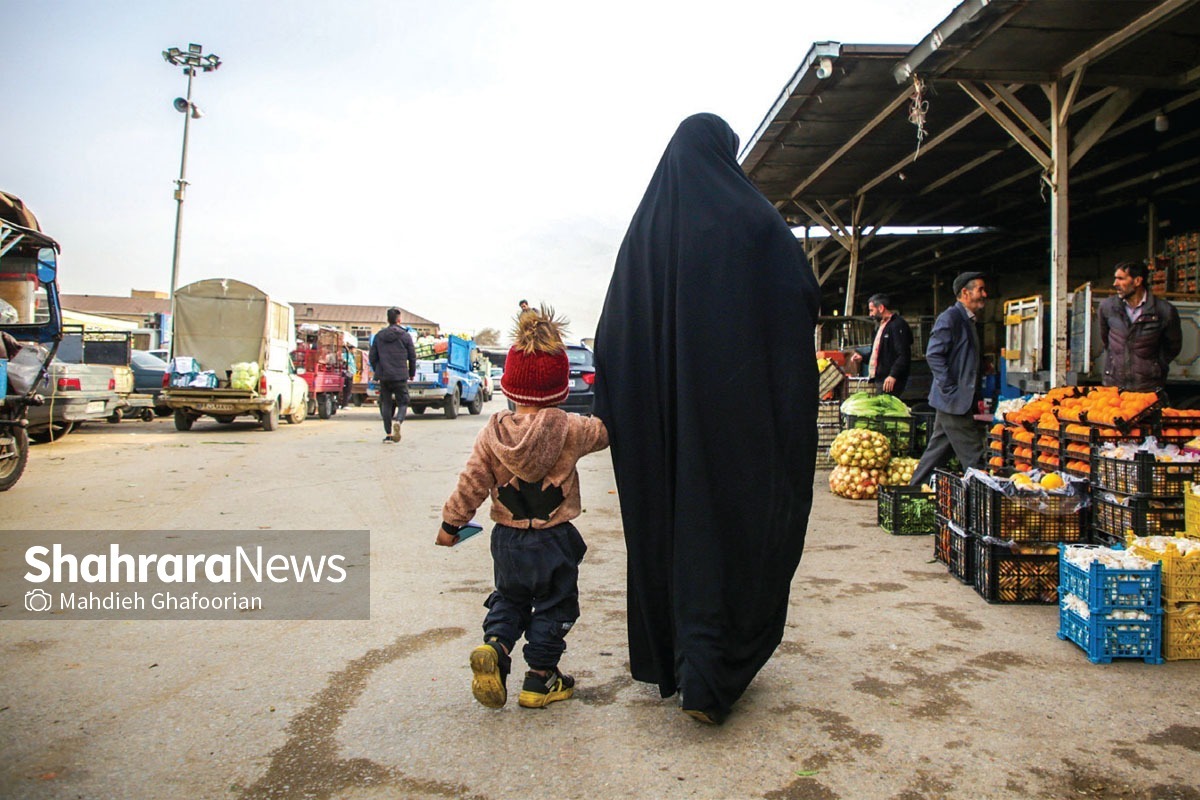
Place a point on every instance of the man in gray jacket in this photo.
(1141, 333)
(954, 356)
(393, 359)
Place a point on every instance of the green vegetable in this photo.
(863, 404)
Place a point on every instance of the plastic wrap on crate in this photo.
(1001, 510)
(1141, 475)
(961, 558)
(1105, 589)
(1180, 569)
(906, 511)
(1104, 638)
(1008, 572)
(1181, 631)
(952, 497)
(941, 540)
(1116, 514)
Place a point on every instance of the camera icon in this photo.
(38, 600)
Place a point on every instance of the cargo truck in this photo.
(231, 357)
(1027, 344)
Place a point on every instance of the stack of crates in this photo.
(1179, 559)
(950, 537)
(829, 425)
(1141, 495)
(1109, 612)
(1180, 263)
(1016, 540)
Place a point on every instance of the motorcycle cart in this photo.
(31, 318)
(319, 359)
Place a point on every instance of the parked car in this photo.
(163, 354)
(148, 371)
(582, 396)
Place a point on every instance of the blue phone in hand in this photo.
(467, 531)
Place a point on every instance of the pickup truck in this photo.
(241, 340)
(447, 383)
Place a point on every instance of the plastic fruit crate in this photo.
(1025, 516)
(906, 511)
(1191, 510)
(1180, 574)
(1142, 475)
(962, 555)
(941, 540)
(1104, 639)
(828, 413)
(1116, 514)
(1105, 589)
(1016, 573)
(952, 496)
(898, 430)
(1181, 631)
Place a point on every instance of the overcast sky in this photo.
(447, 157)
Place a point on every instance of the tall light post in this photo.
(191, 60)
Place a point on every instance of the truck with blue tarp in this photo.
(445, 380)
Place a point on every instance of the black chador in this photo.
(707, 381)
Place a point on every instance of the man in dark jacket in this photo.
(954, 358)
(394, 362)
(891, 354)
(1141, 333)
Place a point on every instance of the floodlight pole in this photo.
(180, 191)
(189, 60)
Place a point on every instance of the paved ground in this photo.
(894, 680)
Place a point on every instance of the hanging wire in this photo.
(917, 109)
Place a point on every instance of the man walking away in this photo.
(954, 357)
(1141, 333)
(891, 353)
(394, 361)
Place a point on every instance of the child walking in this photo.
(526, 461)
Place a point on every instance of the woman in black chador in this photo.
(707, 382)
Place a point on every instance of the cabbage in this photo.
(864, 404)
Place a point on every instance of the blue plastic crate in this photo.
(1105, 639)
(1105, 589)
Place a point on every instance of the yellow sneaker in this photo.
(489, 669)
(540, 691)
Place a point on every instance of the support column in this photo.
(855, 246)
(1059, 229)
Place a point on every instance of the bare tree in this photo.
(487, 337)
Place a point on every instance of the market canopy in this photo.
(959, 131)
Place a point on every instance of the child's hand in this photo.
(446, 539)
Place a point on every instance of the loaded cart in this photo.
(30, 313)
(320, 359)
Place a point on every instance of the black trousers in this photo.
(537, 590)
(393, 402)
(959, 434)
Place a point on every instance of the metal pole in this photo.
(180, 190)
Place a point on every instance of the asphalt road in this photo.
(893, 681)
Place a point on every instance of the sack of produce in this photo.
(899, 471)
(244, 376)
(859, 447)
(855, 483)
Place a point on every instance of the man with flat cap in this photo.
(954, 355)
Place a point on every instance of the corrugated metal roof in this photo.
(829, 143)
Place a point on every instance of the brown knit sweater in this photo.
(543, 446)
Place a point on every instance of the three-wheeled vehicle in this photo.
(30, 319)
(320, 358)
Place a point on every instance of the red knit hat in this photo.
(536, 370)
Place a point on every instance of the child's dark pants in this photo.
(537, 590)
